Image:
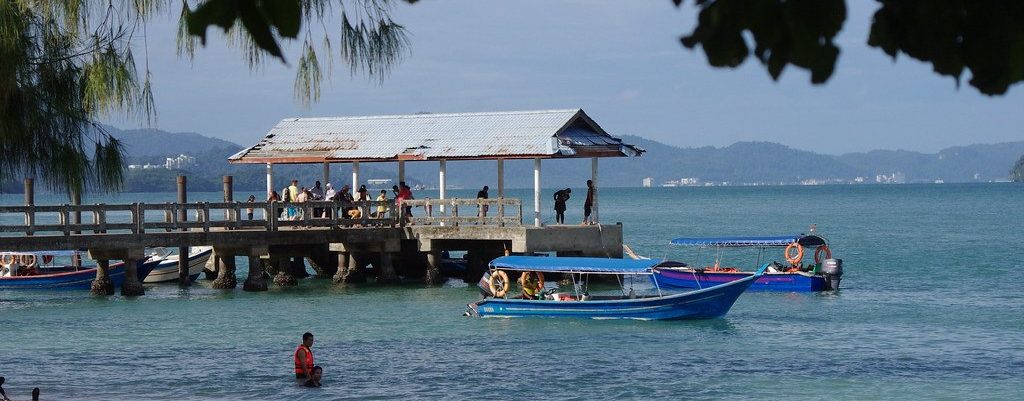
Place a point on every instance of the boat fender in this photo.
(7, 259)
(794, 259)
(822, 250)
(28, 260)
(498, 284)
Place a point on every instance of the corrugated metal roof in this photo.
(517, 134)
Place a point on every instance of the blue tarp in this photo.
(575, 264)
(805, 240)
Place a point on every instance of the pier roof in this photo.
(568, 133)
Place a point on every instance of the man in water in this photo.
(303, 357)
(3, 395)
(314, 381)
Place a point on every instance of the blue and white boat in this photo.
(792, 276)
(166, 269)
(711, 302)
(58, 270)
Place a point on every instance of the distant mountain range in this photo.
(737, 164)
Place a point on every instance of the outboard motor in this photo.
(832, 269)
(485, 285)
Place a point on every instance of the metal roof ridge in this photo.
(430, 115)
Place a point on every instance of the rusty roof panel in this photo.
(431, 136)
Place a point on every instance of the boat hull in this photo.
(167, 270)
(73, 280)
(707, 303)
(782, 282)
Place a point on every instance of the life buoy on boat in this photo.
(498, 284)
(28, 260)
(7, 259)
(822, 249)
(794, 259)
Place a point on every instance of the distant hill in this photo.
(739, 163)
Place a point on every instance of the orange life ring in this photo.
(822, 249)
(498, 284)
(28, 260)
(794, 259)
(7, 259)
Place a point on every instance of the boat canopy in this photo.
(575, 265)
(783, 240)
(46, 253)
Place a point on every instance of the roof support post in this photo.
(536, 192)
(501, 178)
(401, 171)
(593, 177)
(442, 183)
(355, 177)
(270, 179)
(327, 173)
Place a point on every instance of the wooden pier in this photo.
(336, 246)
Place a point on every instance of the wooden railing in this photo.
(138, 218)
(455, 212)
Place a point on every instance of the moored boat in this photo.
(704, 303)
(44, 270)
(793, 276)
(167, 265)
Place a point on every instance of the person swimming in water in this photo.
(314, 379)
(3, 395)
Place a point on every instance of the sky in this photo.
(620, 61)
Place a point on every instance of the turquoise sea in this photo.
(931, 307)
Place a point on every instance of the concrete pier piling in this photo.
(433, 274)
(102, 284)
(386, 273)
(255, 281)
(284, 275)
(343, 263)
(226, 278)
(132, 286)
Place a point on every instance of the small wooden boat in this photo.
(45, 270)
(705, 303)
(793, 276)
(167, 264)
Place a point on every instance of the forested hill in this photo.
(739, 163)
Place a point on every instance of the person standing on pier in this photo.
(249, 210)
(303, 357)
(588, 205)
(482, 212)
(561, 197)
(293, 190)
(328, 196)
(382, 208)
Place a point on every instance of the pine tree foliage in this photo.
(64, 64)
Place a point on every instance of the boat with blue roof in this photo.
(625, 303)
(792, 275)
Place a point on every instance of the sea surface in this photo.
(930, 307)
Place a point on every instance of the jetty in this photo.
(393, 243)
